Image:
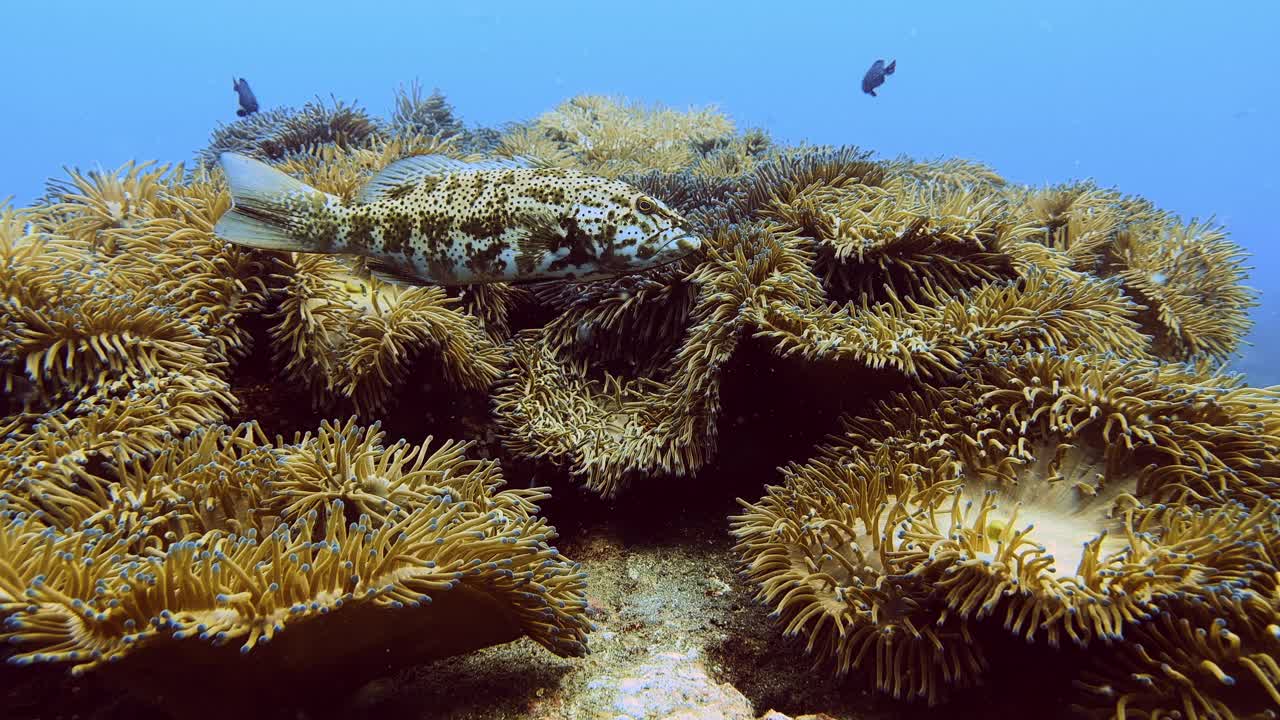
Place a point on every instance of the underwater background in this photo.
(940, 418)
(1176, 102)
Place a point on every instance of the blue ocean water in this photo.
(1174, 101)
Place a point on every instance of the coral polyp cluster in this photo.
(1037, 439)
(1071, 498)
(1188, 276)
(824, 550)
(352, 337)
(610, 137)
(223, 543)
(903, 234)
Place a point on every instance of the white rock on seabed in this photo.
(672, 686)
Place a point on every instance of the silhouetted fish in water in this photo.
(876, 75)
(249, 103)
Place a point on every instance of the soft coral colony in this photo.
(1060, 458)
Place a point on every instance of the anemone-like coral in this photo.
(1018, 457)
(761, 278)
(78, 342)
(275, 134)
(1189, 277)
(786, 173)
(94, 208)
(123, 419)
(1078, 219)
(355, 337)
(123, 277)
(210, 567)
(1064, 497)
(610, 137)
(822, 547)
(416, 115)
(903, 234)
(934, 337)
(1211, 652)
(433, 116)
(611, 429)
(948, 173)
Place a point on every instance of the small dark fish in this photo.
(249, 103)
(876, 75)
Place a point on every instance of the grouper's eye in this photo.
(646, 205)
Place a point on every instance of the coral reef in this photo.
(610, 137)
(1076, 498)
(1188, 276)
(275, 134)
(434, 116)
(1035, 442)
(223, 544)
(355, 338)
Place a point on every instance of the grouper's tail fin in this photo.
(261, 202)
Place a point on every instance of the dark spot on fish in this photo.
(485, 261)
(579, 244)
(433, 229)
(482, 226)
(440, 270)
(397, 229)
(360, 231)
(396, 192)
(428, 183)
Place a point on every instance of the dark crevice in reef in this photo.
(774, 411)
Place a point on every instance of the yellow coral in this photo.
(1191, 277)
(903, 234)
(1210, 653)
(1047, 492)
(94, 209)
(85, 339)
(52, 457)
(460, 562)
(609, 137)
(934, 336)
(614, 428)
(354, 337)
(950, 173)
(139, 536)
(824, 551)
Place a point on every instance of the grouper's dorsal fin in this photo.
(403, 175)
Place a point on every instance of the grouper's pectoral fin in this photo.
(404, 175)
(537, 232)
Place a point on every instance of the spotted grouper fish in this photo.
(434, 220)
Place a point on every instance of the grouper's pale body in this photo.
(439, 221)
